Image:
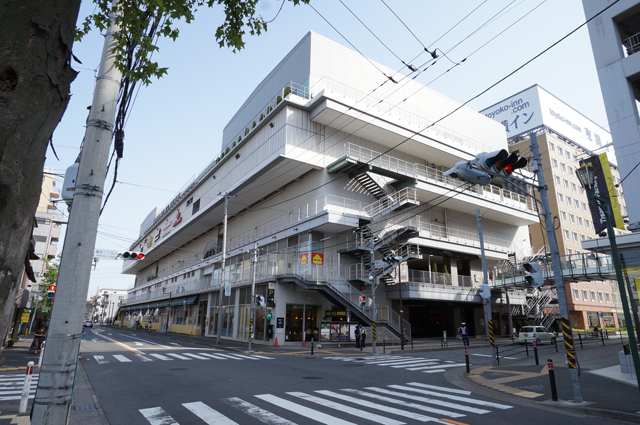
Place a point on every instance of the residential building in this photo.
(564, 138)
(325, 162)
(106, 302)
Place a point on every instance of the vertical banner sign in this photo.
(568, 343)
(271, 297)
(603, 186)
(227, 289)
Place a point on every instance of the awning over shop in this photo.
(192, 300)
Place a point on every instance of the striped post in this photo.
(568, 343)
(373, 329)
(491, 334)
(250, 328)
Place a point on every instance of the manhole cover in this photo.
(311, 377)
(85, 408)
(179, 368)
(352, 365)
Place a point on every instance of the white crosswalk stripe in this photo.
(390, 405)
(422, 364)
(121, 358)
(150, 357)
(11, 386)
(160, 356)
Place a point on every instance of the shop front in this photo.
(301, 322)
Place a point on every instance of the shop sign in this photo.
(279, 322)
(304, 259)
(342, 313)
(271, 297)
(317, 258)
(227, 289)
(268, 316)
(178, 219)
(157, 237)
(301, 306)
(25, 317)
(149, 241)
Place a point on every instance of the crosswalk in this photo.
(134, 358)
(390, 405)
(414, 364)
(11, 387)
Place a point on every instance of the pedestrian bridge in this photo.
(582, 267)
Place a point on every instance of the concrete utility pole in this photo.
(486, 291)
(55, 385)
(224, 259)
(254, 266)
(572, 359)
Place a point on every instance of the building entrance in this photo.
(301, 322)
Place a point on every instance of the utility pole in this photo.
(254, 266)
(572, 359)
(224, 259)
(374, 280)
(486, 290)
(57, 375)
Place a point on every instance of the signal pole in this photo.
(572, 359)
(57, 375)
(224, 259)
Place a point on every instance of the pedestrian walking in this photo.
(37, 339)
(363, 337)
(464, 333)
(357, 335)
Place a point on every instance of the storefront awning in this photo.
(192, 300)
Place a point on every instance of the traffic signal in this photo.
(132, 255)
(52, 291)
(363, 301)
(499, 163)
(535, 277)
(463, 171)
(392, 260)
(259, 301)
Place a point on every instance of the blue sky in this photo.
(175, 125)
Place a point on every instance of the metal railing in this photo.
(438, 231)
(632, 44)
(386, 203)
(433, 278)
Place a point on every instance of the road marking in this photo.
(453, 422)
(147, 341)
(438, 402)
(120, 344)
(123, 359)
(178, 356)
(17, 397)
(144, 358)
(304, 411)
(377, 406)
(401, 362)
(254, 411)
(100, 359)
(160, 356)
(434, 371)
(263, 357)
(246, 357)
(413, 364)
(207, 414)
(157, 416)
(213, 356)
(404, 403)
(229, 356)
(489, 355)
(453, 397)
(347, 409)
(175, 343)
(195, 356)
(139, 343)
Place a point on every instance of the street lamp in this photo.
(166, 327)
(586, 175)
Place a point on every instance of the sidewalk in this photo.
(606, 392)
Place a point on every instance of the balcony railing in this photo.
(447, 233)
(632, 44)
(430, 174)
(386, 203)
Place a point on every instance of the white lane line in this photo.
(256, 412)
(147, 341)
(453, 397)
(347, 409)
(208, 415)
(213, 356)
(406, 404)
(397, 362)
(160, 356)
(229, 356)
(120, 344)
(304, 411)
(263, 357)
(176, 344)
(435, 401)
(446, 389)
(157, 416)
(16, 376)
(178, 356)
(16, 391)
(195, 356)
(144, 358)
(100, 359)
(434, 371)
(123, 359)
(377, 406)
(418, 367)
(440, 366)
(427, 363)
(246, 357)
(17, 397)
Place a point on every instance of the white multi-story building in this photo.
(324, 161)
(106, 303)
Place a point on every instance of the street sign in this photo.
(271, 298)
(379, 264)
(227, 289)
(268, 316)
(280, 322)
(105, 253)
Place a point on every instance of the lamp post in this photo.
(166, 326)
(586, 175)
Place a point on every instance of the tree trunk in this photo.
(36, 38)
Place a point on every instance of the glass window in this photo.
(555, 163)
(553, 147)
(568, 155)
(584, 206)
(571, 170)
(569, 201)
(566, 235)
(572, 218)
(600, 297)
(585, 296)
(40, 238)
(557, 180)
(577, 204)
(575, 237)
(563, 167)
(560, 151)
(580, 221)
(582, 191)
(593, 296)
(561, 198)
(587, 224)
(582, 237)
(569, 251)
(607, 298)
(574, 187)
(54, 241)
(566, 183)
(563, 215)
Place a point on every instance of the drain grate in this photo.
(85, 408)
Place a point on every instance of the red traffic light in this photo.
(132, 255)
(52, 288)
(362, 298)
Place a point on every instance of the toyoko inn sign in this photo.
(535, 106)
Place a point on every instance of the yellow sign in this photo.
(317, 259)
(25, 317)
(304, 259)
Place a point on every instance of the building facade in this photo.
(106, 303)
(591, 302)
(332, 179)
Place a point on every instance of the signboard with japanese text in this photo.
(317, 258)
(271, 297)
(279, 322)
(105, 253)
(535, 106)
(227, 289)
(304, 259)
(603, 185)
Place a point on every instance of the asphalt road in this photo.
(142, 379)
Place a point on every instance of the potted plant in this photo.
(287, 91)
(253, 125)
(261, 117)
(278, 99)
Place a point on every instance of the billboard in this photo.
(603, 185)
(535, 106)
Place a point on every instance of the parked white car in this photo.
(537, 334)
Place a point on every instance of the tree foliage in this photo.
(143, 22)
(49, 278)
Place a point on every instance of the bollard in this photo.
(466, 359)
(384, 346)
(602, 337)
(535, 353)
(497, 356)
(41, 354)
(25, 388)
(552, 380)
(555, 342)
(526, 347)
(580, 339)
(312, 348)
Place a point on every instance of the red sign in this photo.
(178, 219)
(52, 288)
(317, 258)
(304, 259)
